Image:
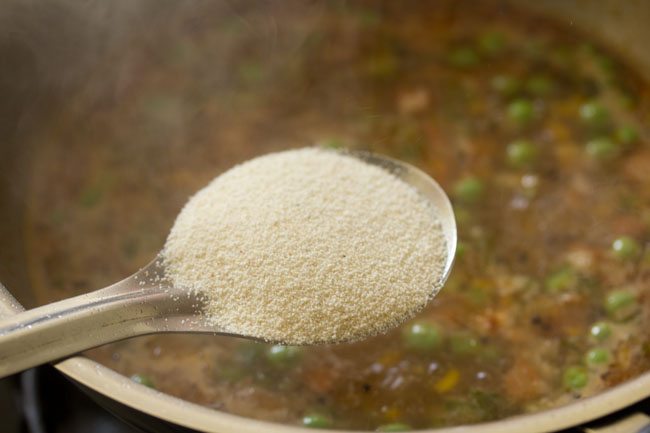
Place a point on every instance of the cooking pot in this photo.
(49, 48)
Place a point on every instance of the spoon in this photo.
(145, 303)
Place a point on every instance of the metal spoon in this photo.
(145, 304)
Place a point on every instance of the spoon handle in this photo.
(63, 328)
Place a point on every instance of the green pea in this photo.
(490, 353)
(627, 135)
(619, 299)
(316, 420)
(594, 114)
(369, 17)
(383, 66)
(607, 65)
(627, 101)
(521, 153)
(597, 356)
(143, 380)
(282, 356)
(540, 85)
(251, 73)
(248, 352)
(477, 295)
(535, 49)
(575, 377)
(469, 189)
(410, 151)
(520, 112)
(231, 373)
(57, 217)
(587, 49)
(461, 249)
(621, 304)
(463, 57)
(505, 85)
(601, 331)
(561, 56)
(91, 196)
(332, 143)
(463, 216)
(464, 344)
(422, 336)
(626, 248)
(394, 427)
(491, 43)
(561, 280)
(602, 149)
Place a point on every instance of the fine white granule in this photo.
(307, 246)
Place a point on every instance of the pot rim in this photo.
(119, 388)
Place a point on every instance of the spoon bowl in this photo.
(431, 190)
(145, 303)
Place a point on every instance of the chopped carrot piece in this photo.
(448, 381)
